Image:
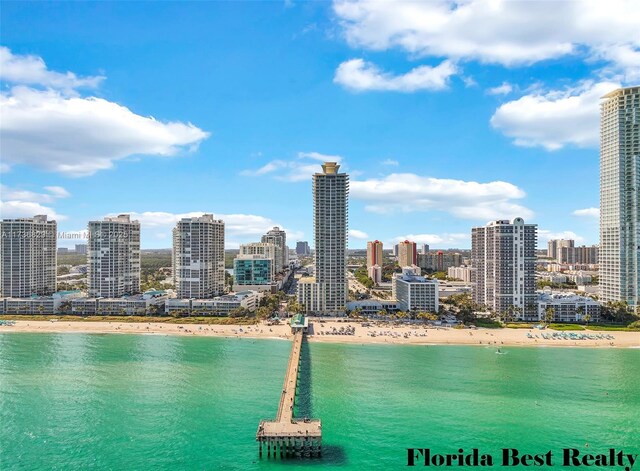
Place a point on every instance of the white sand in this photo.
(384, 333)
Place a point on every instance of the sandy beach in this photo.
(323, 332)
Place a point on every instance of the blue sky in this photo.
(445, 115)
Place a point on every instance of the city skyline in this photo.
(529, 117)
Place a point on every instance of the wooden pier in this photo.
(287, 436)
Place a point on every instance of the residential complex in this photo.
(327, 291)
(565, 252)
(554, 246)
(278, 237)
(407, 254)
(461, 273)
(619, 255)
(374, 253)
(302, 248)
(114, 257)
(503, 254)
(439, 260)
(28, 257)
(567, 307)
(253, 270)
(198, 257)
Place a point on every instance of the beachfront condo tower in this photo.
(407, 254)
(278, 237)
(198, 257)
(113, 255)
(326, 293)
(619, 254)
(28, 257)
(503, 255)
(374, 253)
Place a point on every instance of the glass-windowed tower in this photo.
(619, 254)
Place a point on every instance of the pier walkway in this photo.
(286, 435)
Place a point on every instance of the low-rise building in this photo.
(462, 273)
(414, 292)
(567, 307)
(371, 307)
(218, 306)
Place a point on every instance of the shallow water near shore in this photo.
(77, 401)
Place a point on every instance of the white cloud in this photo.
(55, 130)
(545, 235)
(239, 228)
(15, 203)
(407, 192)
(53, 193)
(22, 209)
(437, 240)
(588, 212)
(358, 75)
(297, 170)
(390, 162)
(356, 234)
(31, 70)
(503, 89)
(493, 31)
(554, 119)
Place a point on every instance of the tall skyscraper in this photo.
(620, 196)
(198, 257)
(28, 257)
(425, 249)
(302, 248)
(278, 237)
(503, 255)
(374, 253)
(114, 257)
(327, 292)
(407, 254)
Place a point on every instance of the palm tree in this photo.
(549, 314)
(587, 318)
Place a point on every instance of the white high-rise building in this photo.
(503, 255)
(327, 292)
(278, 237)
(619, 253)
(28, 257)
(198, 257)
(113, 255)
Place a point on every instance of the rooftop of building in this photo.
(623, 90)
(307, 279)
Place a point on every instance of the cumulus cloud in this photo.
(32, 70)
(554, 119)
(588, 212)
(239, 228)
(407, 192)
(296, 170)
(356, 234)
(19, 203)
(503, 89)
(16, 203)
(546, 235)
(502, 32)
(437, 240)
(53, 130)
(358, 75)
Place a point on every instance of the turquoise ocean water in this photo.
(138, 402)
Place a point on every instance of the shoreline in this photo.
(321, 332)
